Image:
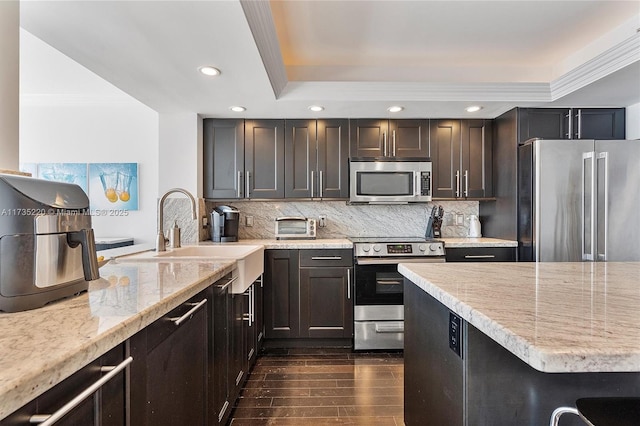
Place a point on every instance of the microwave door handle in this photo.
(416, 188)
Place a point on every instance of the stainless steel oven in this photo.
(378, 308)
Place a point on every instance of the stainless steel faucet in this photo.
(161, 241)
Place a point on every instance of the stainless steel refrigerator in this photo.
(579, 200)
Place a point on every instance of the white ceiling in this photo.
(356, 58)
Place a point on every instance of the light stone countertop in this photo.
(556, 317)
(42, 347)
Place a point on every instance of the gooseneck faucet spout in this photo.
(161, 241)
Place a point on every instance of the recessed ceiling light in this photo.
(237, 108)
(395, 108)
(316, 108)
(209, 70)
(474, 108)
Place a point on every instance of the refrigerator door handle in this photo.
(603, 206)
(588, 205)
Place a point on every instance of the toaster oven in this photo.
(295, 228)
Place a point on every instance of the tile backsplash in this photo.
(345, 220)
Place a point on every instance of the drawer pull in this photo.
(49, 419)
(479, 256)
(390, 328)
(224, 286)
(326, 258)
(178, 321)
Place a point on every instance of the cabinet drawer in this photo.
(326, 257)
(481, 254)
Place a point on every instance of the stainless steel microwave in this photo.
(397, 180)
(295, 228)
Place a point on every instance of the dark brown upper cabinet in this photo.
(389, 138)
(223, 156)
(316, 158)
(571, 123)
(264, 158)
(461, 155)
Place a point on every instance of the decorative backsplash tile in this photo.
(349, 220)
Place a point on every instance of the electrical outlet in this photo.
(323, 221)
(248, 221)
(459, 219)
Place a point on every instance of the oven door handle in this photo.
(395, 260)
(389, 282)
(397, 327)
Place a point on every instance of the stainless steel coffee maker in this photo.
(47, 246)
(224, 224)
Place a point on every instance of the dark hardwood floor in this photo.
(323, 387)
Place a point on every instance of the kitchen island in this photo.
(505, 344)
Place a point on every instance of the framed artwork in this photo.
(113, 186)
(64, 172)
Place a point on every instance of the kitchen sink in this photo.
(249, 259)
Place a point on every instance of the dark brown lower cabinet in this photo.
(220, 353)
(308, 294)
(481, 254)
(169, 371)
(105, 407)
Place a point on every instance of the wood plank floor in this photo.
(323, 387)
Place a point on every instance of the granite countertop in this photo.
(556, 317)
(42, 347)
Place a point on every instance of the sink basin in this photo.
(249, 259)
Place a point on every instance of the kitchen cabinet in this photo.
(389, 138)
(223, 158)
(317, 158)
(220, 385)
(107, 406)
(168, 376)
(264, 158)
(326, 305)
(462, 158)
(481, 254)
(571, 123)
(307, 294)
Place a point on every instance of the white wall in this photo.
(633, 121)
(9, 83)
(85, 119)
(180, 149)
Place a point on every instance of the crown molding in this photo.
(263, 29)
(614, 59)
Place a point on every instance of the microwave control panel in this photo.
(425, 183)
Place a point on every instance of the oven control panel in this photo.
(415, 249)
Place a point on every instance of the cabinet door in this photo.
(333, 159)
(301, 159)
(546, 123)
(281, 294)
(223, 156)
(369, 138)
(169, 370)
(250, 329)
(408, 138)
(220, 351)
(237, 362)
(481, 254)
(326, 307)
(264, 158)
(446, 156)
(599, 123)
(476, 172)
(259, 313)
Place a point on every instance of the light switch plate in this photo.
(459, 219)
(248, 221)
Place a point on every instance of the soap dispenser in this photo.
(474, 227)
(174, 236)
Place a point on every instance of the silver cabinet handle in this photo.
(479, 256)
(196, 306)
(239, 183)
(466, 183)
(457, 183)
(49, 419)
(326, 258)
(579, 129)
(222, 411)
(348, 283)
(312, 182)
(247, 182)
(570, 125)
(384, 144)
(321, 184)
(227, 284)
(394, 143)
